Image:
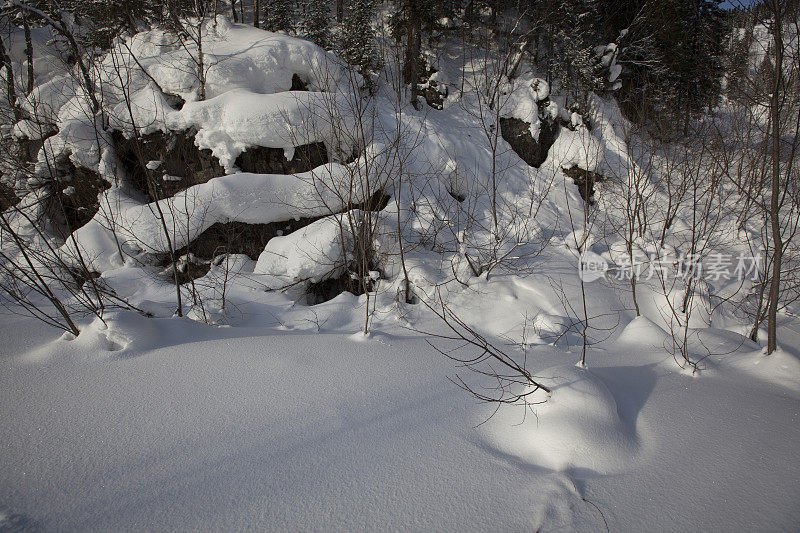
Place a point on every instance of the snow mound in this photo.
(780, 367)
(247, 198)
(315, 252)
(577, 148)
(577, 428)
(237, 56)
(231, 122)
(642, 330)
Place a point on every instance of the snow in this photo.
(577, 427)
(230, 123)
(521, 101)
(540, 88)
(521, 104)
(315, 252)
(248, 198)
(254, 427)
(577, 148)
(258, 411)
(237, 56)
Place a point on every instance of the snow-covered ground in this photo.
(169, 424)
(260, 411)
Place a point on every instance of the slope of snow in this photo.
(169, 424)
(281, 418)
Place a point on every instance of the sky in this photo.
(730, 4)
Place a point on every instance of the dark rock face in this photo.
(260, 160)
(174, 101)
(7, 197)
(433, 92)
(240, 238)
(28, 150)
(189, 269)
(584, 180)
(330, 288)
(74, 194)
(250, 239)
(435, 96)
(298, 84)
(183, 165)
(517, 134)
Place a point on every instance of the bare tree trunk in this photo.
(11, 93)
(774, 214)
(339, 11)
(28, 52)
(201, 67)
(413, 47)
(233, 11)
(256, 9)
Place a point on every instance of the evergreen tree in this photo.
(358, 35)
(696, 58)
(278, 15)
(314, 22)
(673, 52)
(106, 19)
(409, 22)
(575, 37)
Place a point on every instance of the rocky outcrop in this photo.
(585, 181)
(328, 289)
(162, 164)
(250, 239)
(74, 194)
(517, 134)
(435, 96)
(240, 238)
(434, 91)
(298, 84)
(260, 160)
(27, 150)
(187, 268)
(7, 197)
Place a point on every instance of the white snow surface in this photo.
(315, 252)
(170, 424)
(258, 411)
(231, 122)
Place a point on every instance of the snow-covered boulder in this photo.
(314, 253)
(238, 119)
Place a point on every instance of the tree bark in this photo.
(413, 47)
(774, 206)
(28, 52)
(11, 93)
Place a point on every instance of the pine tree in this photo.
(103, 20)
(698, 67)
(358, 35)
(409, 23)
(575, 37)
(278, 15)
(673, 52)
(314, 22)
